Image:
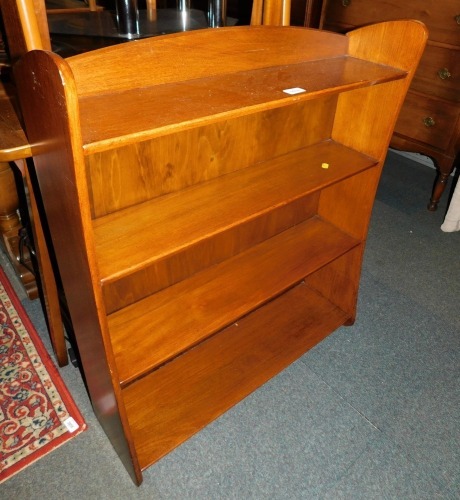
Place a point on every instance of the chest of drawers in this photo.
(429, 122)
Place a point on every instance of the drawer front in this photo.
(441, 18)
(439, 73)
(427, 120)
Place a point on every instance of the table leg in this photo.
(50, 294)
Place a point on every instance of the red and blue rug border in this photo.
(54, 374)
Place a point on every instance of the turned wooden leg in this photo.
(9, 202)
(438, 190)
(445, 166)
(10, 225)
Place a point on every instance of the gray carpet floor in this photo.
(373, 412)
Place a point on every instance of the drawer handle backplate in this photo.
(429, 122)
(444, 74)
(457, 18)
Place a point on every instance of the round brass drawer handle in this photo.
(457, 18)
(444, 74)
(429, 122)
(346, 3)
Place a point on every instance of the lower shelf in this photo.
(171, 404)
(155, 330)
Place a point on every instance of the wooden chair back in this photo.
(26, 26)
(92, 6)
(271, 12)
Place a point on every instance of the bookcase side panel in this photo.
(49, 105)
(348, 204)
(365, 118)
(338, 282)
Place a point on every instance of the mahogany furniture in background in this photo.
(209, 213)
(429, 122)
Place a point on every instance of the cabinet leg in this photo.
(438, 190)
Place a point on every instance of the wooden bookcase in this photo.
(209, 227)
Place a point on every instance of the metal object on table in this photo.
(102, 26)
(183, 5)
(217, 13)
(128, 18)
(127, 13)
(85, 31)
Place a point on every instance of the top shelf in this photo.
(119, 118)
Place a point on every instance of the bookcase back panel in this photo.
(174, 162)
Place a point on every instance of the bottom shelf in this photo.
(171, 404)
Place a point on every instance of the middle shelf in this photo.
(171, 321)
(140, 244)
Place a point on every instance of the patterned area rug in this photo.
(37, 413)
